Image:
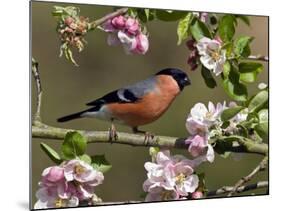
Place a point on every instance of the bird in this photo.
(138, 104)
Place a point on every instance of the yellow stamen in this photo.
(78, 169)
(60, 203)
(166, 195)
(215, 55)
(180, 178)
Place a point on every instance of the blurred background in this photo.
(103, 68)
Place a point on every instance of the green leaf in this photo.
(208, 77)
(258, 101)
(262, 127)
(234, 88)
(262, 130)
(263, 115)
(241, 46)
(183, 27)
(144, 15)
(167, 15)
(226, 27)
(86, 158)
(244, 18)
(249, 71)
(229, 113)
(52, 154)
(146, 11)
(226, 69)
(100, 163)
(74, 145)
(199, 30)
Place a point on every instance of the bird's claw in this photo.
(112, 133)
(147, 137)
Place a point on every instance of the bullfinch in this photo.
(137, 104)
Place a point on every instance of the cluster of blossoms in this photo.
(203, 123)
(170, 178)
(71, 31)
(126, 31)
(212, 56)
(67, 185)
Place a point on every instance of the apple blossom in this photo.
(82, 172)
(199, 146)
(212, 56)
(170, 177)
(201, 118)
(67, 184)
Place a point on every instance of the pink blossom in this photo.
(108, 26)
(197, 195)
(82, 172)
(129, 42)
(201, 118)
(212, 56)
(199, 147)
(48, 198)
(118, 22)
(132, 26)
(169, 177)
(204, 16)
(67, 184)
(142, 44)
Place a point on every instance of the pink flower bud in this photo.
(204, 16)
(142, 44)
(119, 22)
(108, 27)
(132, 26)
(191, 44)
(53, 174)
(69, 20)
(197, 195)
(217, 38)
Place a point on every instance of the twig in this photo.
(258, 57)
(227, 189)
(49, 132)
(223, 190)
(35, 72)
(109, 16)
(117, 203)
(262, 165)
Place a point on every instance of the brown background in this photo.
(104, 68)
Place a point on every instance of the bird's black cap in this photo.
(180, 76)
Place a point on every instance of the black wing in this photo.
(117, 96)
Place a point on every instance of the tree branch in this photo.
(227, 189)
(109, 16)
(258, 58)
(35, 72)
(49, 132)
(262, 165)
(220, 191)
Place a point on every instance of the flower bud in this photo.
(197, 195)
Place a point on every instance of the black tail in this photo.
(70, 117)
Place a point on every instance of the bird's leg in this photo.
(147, 135)
(112, 132)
